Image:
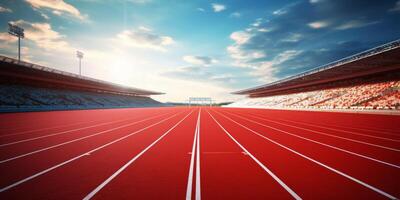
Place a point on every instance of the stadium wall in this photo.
(29, 87)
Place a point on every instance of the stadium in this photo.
(329, 131)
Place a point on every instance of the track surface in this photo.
(199, 153)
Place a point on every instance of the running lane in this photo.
(27, 122)
(16, 169)
(19, 147)
(385, 176)
(161, 172)
(373, 122)
(227, 172)
(309, 179)
(372, 148)
(76, 177)
(386, 139)
(83, 124)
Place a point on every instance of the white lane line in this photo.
(314, 141)
(315, 161)
(385, 132)
(109, 179)
(350, 132)
(191, 166)
(340, 130)
(75, 140)
(198, 186)
(62, 132)
(277, 179)
(343, 138)
(80, 156)
(46, 128)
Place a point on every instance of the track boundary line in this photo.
(316, 162)
(334, 129)
(189, 187)
(81, 155)
(382, 131)
(115, 174)
(63, 132)
(277, 179)
(320, 143)
(45, 128)
(335, 136)
(340, 130)
(77, 139)
(198, 188)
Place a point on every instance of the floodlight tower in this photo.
(18, 32)
(79, 54)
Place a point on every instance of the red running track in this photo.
(199, 153)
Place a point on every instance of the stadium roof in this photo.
(380, 59)
(12, 69)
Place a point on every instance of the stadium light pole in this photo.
(18, 32)
(79, 54)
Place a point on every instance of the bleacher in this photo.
(29, 87)
(21, 97)
(367, 80)
(381, 95)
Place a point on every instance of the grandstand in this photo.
(30, 87)
(368, 80)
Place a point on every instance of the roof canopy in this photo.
(12, 69)
(377, 60)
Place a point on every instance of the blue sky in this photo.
(196, 48)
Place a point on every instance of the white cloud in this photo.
(7, 10)
(45, 16)
(285, 56)
(261, 66)
(144, 38)
(199, 60)
(7, 38)
(294, 37)
(280, 11)
(44, 36)
(143, 28)
(318, 24)
(225, 78)
(201, 9)
(257, 22)
(315, 1)
(265, 71)
(140, 1)
(218, 7)
(396, 7)
(235, 15)
(58, 7)
(240, 37)
(265, 30)
(354, 24)
(242, 56)
(56, 12)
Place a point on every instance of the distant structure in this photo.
(200, 101)
(79, 54)
(18, 32)
(365, 81)
(29, 87)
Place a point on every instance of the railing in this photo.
(370, 52)
(55, 71)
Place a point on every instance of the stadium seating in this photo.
(19, 97)
(375, 95)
